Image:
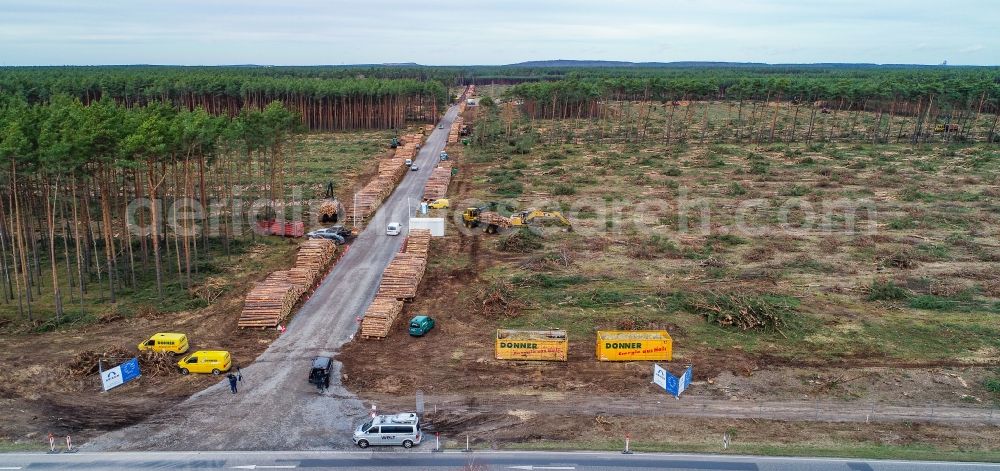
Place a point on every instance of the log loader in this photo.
(493, 221)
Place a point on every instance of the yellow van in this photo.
(440, 203)
(206, 361)
(166, 342)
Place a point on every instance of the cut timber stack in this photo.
(390, 171)
(418, 242)
(489, 217)
(271, 300)
(402, 276)
(437, 184)
(329, 210)
(456, 126)
(380, 316)
(268, 302)
(314, 257)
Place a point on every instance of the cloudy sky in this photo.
(304, 32)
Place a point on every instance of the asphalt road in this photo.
(481, 461)
(276, 408)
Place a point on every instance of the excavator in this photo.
(473, 217)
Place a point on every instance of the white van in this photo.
(397, 429)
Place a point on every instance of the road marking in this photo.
(263, 466)
(530, 467)
(11, 467)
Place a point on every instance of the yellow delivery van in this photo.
(206, 361)
(166, 342)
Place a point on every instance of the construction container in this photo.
(543, 345)
(634, 345)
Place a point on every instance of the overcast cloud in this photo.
(306, 32)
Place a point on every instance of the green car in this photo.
(420, 325)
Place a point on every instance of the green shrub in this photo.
(735, 189)
(886, 290)
(564, 190)
(672, 171)
(524, 240)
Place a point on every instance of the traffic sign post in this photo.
(52, 443)
(69, 445)
(627, 451)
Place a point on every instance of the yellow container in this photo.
(634, 345)
(544, 345)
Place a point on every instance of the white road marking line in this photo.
(263, 466)
(530, 467)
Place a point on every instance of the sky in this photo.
(431, 32)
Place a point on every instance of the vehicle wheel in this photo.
(407, 444)
(363, 443)
(216, 372)
(184, 371)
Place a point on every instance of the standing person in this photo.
(232, 382)
(239, 374)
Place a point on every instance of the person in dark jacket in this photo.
(232, 382)
(239, 374)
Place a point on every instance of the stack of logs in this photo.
(401, 277)
(489, 217)
(437, 184)
(418, 242)
(379, 317)
(456, 126)
(329, 210)
(399, 283)
(390, 172)
(272, 300)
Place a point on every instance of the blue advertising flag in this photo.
(130, 370)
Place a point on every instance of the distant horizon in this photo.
(440, 33)
(526, 63)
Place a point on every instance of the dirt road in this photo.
(276, 409)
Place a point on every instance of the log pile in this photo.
(437, 184)
(268, 302)
(489, 217)
(271, 300)
(418, 242)
(402, 276)
(313, 259)
(380, 316)
(390, 172)
(329, 210)
(456, 126)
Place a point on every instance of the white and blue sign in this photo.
(670, 383)
(120, 374)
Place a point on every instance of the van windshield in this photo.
(366, 426)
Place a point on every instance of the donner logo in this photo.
(620, 345)
(518, 345)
